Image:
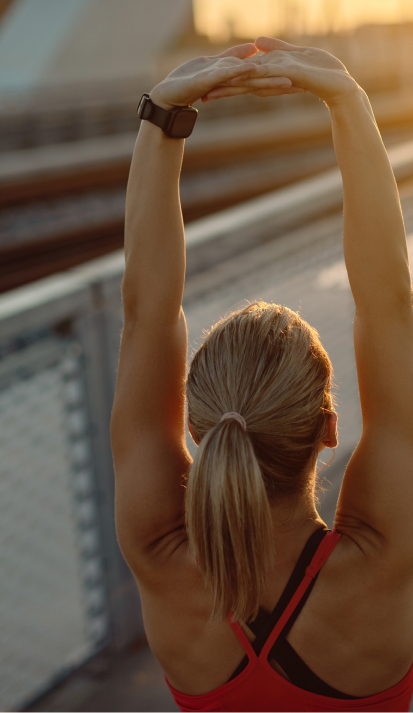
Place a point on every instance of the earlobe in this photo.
(331, 439)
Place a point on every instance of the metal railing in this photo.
(65, 590)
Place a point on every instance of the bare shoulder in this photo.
(175, 603)
(367, 582)
(356, 629)
(359, 586)
(374, 507)
(169, 575)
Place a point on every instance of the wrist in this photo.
(155, 96)
(156, 137)
(177, 122)
(352, 96)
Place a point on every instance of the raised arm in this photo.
(377, 492)
(375, 505)
(147, 429)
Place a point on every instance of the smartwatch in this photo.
(177, 123)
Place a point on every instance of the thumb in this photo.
(267, 44)
(240, 51)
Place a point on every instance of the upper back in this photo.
(346, 633)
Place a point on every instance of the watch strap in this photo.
(154, 113)
(177, 123)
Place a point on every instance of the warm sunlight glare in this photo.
(246, 18)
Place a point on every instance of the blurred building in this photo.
(73, 65)
(70, 69)
(379, 56)
(55, 44)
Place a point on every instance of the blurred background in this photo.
(262, 200)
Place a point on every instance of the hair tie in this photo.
(237, 417)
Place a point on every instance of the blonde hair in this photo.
(267, 364)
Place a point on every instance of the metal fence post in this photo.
(123, 596)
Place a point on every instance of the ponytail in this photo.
(229, 520)
(265, 363)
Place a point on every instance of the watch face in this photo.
(182, 123)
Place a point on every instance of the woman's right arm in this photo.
(375, 504)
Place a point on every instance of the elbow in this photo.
(130, 297)
(118, 438)
(115, 440)
(400, 309)
(391, 299)
(403, 301)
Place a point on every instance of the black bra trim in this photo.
(264, 623)
(301, 675)
(292, 585)
(295, 668)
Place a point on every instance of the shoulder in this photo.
(364, 562)
(176, 606)
(168, 569)
(374, 507)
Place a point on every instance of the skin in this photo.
(356, 629)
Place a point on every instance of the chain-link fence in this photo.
(65, 591)
(53, 598)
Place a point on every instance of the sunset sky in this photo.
(248, 18)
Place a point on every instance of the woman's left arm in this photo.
(147, 429)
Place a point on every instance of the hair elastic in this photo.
(237, 417)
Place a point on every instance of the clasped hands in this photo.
(282, 68)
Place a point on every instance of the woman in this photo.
(249, 603)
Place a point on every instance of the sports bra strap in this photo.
(242, 638)
(324, 550)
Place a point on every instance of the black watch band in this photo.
(177, 123)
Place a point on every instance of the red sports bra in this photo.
(258, 687)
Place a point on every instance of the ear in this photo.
(330, 440)
(191, 431)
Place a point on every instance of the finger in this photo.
(270, 69)
(240, 51)
(222, 92)
(278, 92)
(211, 79)
(267, 44)
(260, 82)
(222, 75)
